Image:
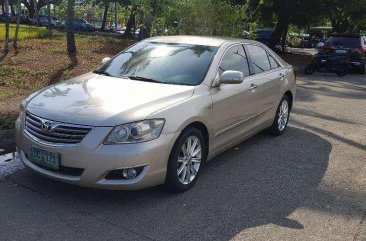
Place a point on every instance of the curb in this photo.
(7, 141)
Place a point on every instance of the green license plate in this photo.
(44, 158)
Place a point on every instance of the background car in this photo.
(2, 17)
(82, 25)
(353, 42)
(264, 35)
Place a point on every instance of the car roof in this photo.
(198, 40)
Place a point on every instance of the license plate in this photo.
(44, 158)
(340, 51)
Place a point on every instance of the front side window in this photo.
(259, 59)
(235, 59)
(169, 63)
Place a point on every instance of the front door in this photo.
(234, 105)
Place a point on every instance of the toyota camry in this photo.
(155, 113)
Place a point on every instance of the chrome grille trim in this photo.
(60, 133)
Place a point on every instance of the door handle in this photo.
(253, 87)
(282, 77)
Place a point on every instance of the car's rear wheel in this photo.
(186, 160)
(310, 69)
(362, 70)
(282, 116)
(342, 71)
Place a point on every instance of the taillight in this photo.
(362, 51)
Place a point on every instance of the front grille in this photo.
(54, 132)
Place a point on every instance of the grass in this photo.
(43, 61)
(25, 32)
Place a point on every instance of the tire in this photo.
(362, 70)
(280, 122)
(310, 69)
(181, 166)
(342, 71)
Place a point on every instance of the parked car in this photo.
(353, 42)
(155, 113)
(2, 17)
(264, 36)
(133, 31)
(49, 22)
(83, 25)
(122, 30)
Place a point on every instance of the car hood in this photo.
(98, 100)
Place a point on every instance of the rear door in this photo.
(267, 77)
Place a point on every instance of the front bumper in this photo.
(95, 160)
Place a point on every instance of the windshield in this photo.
(169, 63)
(346, 41)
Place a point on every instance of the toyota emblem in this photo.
(46, 126)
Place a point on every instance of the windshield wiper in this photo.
(102, 72)
(140, 78)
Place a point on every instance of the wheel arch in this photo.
(291, 98)
(203, 129)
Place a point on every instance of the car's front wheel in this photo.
(186, 160)
(282, 116)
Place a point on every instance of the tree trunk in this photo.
(71, 47)
(49, 14)
(12, 7)
(6, 41)
(3, 7)
(30, 8)
(115, 14)
(15, 40)
(284, 38)
(129, 25)
(105, 13)
(36, 11)
(282, 24)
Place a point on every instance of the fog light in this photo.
(129, 173)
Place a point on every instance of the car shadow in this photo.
(260, 181)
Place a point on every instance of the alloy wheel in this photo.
(283, 115)
(189, 160)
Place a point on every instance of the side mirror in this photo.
(105, 60)
(231, 77)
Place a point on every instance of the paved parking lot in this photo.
(309, 184)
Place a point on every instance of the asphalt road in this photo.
(309, 184)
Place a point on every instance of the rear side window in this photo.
(344, 41)
(235, 59)
(273, 62)
(259, 59)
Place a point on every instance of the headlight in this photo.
(22, 105)
(135, 132)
